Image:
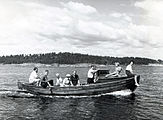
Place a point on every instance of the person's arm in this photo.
(49, 84)
(71, 83)
(37, 76)
(70, 80)
(57, 82)
(78, 81)
(110, 74)
(64, 81)
(94, 71)
(77, 77)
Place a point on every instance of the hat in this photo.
(57, 74)
(68, 75)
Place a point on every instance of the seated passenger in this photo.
(45, 82)
(66, 81)
(74, 79)
(118, 70)
(129, 71)
(59, 81)
(34, 78)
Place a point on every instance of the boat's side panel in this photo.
(98, 88)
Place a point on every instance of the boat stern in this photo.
(134, 83)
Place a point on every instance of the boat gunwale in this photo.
(85, 85)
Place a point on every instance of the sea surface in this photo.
(145, 104)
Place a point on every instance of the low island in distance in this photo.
(74, 59)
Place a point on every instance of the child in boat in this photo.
(34, 77)
(66, 81)
(59, 81)
(74, 79)
(45, 82)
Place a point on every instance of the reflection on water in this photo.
(146, 103)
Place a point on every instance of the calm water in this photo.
(147, 103)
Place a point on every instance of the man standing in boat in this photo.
(91, 74)
(34, 78)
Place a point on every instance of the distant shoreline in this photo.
(67, 58)
(72, 65)
(60, 65)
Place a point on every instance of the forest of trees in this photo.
(72, 58)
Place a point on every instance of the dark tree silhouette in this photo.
(72, 58)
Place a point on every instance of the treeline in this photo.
(72, 58)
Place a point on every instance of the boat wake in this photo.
(24, 94)
(116, 94)
(121, 93)
(15, 94)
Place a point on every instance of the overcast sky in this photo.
(98, 27)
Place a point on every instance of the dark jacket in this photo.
(74, 79)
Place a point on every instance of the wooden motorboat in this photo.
(101, 86)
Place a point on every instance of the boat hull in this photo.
(110, 85)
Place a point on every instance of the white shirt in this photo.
(91, 73)
(33, 77)
(118, 69)
(66, 81)
(59, 81)
(129, 68)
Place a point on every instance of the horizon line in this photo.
(82, 54)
